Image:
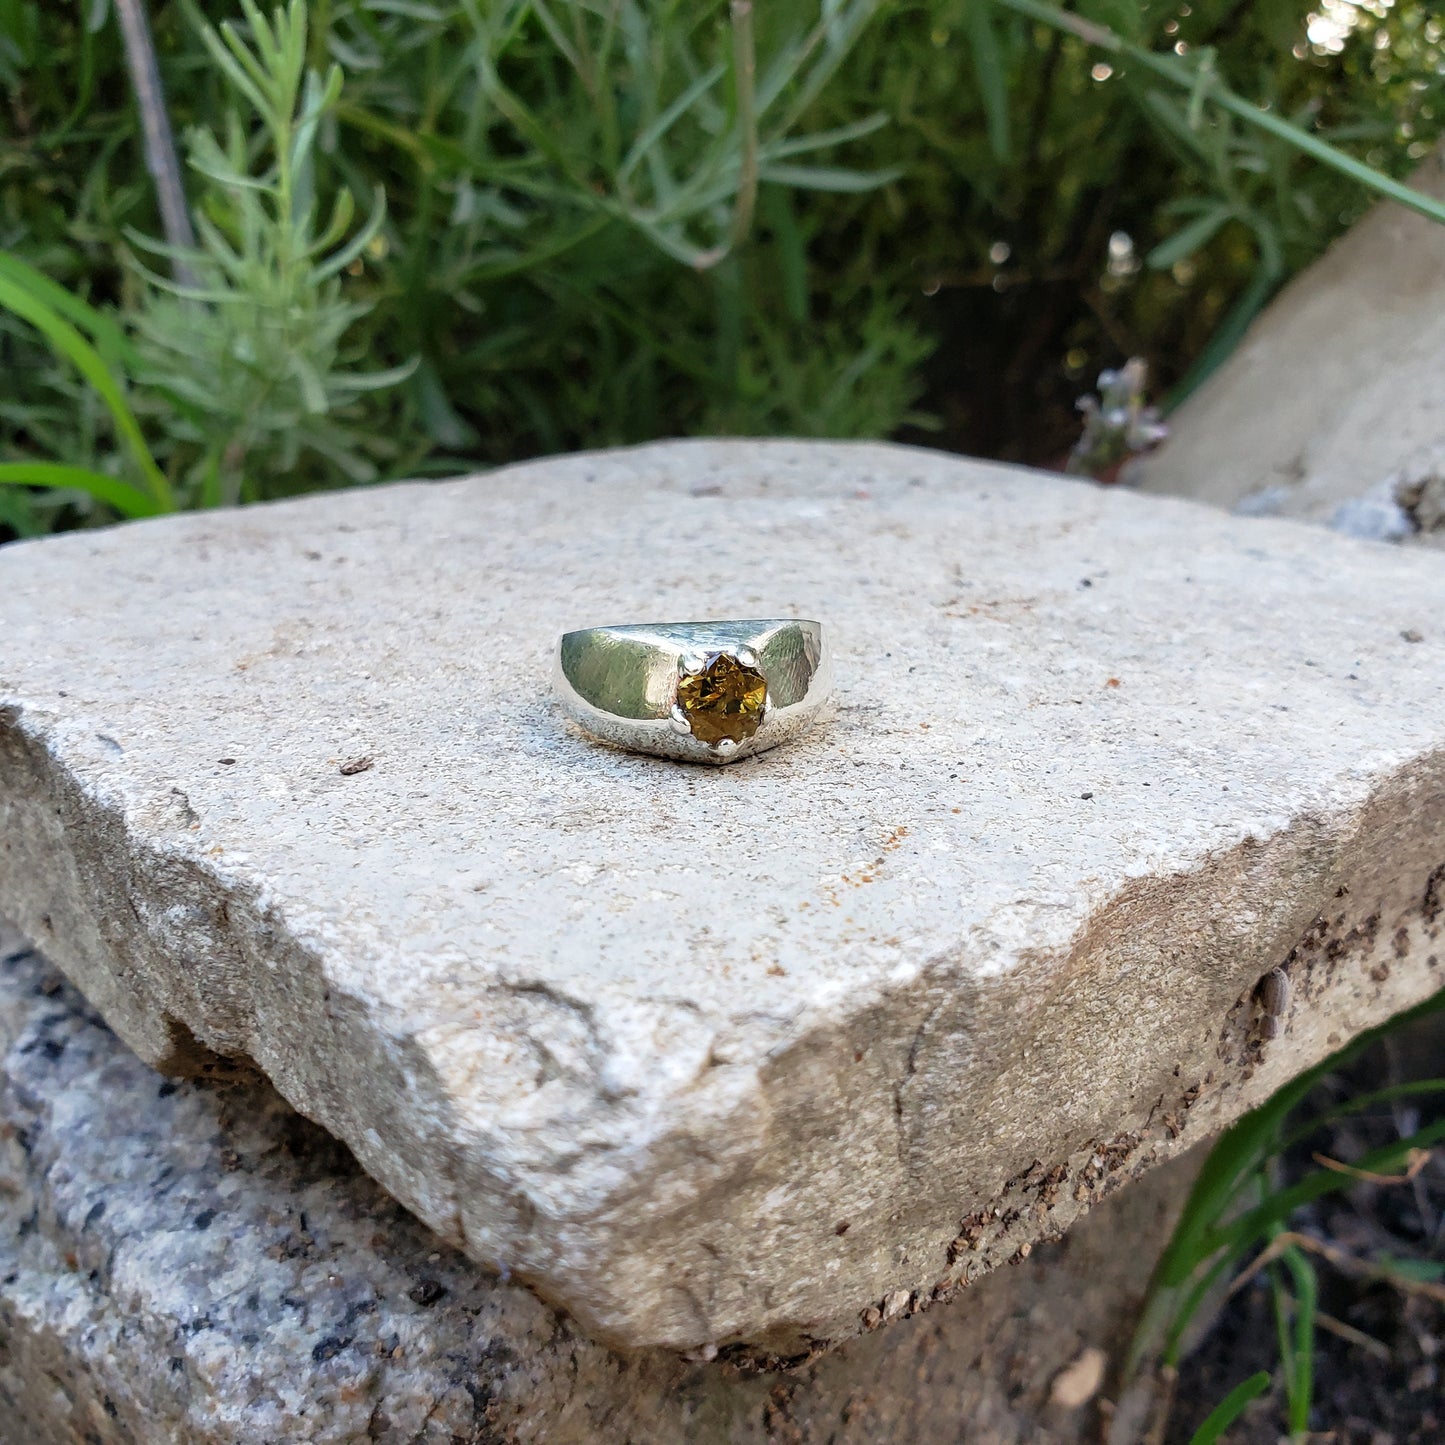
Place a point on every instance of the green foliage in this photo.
(1227, 138)
(1236, 1211)
(440, 233)
(1229, 1409)
(1294, 1313)
(58, 317)
(243, 355)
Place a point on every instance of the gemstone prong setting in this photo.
(724, 700)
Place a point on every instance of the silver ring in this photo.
(706, 692)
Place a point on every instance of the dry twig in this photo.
(1342, 1260)
(1418, 1158)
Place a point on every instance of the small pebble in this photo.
(1077, 1383)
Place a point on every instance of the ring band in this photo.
(708, 692)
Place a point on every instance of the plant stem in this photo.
(745, 61)
(744, 82)
(160, 144)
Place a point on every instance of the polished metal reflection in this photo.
(619, 684)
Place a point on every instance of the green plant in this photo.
(248, 359)
(1067, 129)
(536, 148)
(1205, 87)
(1222, 151)
(609, 220)
(1229, 1409)
(64, 322)
(605, 200)
(241, 361)
(1294, 1313)
(1235, 1221)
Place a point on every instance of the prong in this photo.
(690, 663)
(746, 656)
(679, 721)
(725, 748)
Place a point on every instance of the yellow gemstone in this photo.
(724, 700)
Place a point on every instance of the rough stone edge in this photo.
(94, 925)
(581, 1253)
(1365, 945)
(125, 1201)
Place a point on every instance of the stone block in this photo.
(755, 1058)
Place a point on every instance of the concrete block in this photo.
(764, 1056)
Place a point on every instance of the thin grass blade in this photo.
(129, 501)
(109, 339)
(69, 344)
(1229, 1409)
(990, 76)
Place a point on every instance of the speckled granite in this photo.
(195, 1264)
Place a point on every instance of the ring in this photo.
(707, 692)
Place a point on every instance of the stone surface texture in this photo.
(1329, 410)
(194, 1264)
(762, 1055)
